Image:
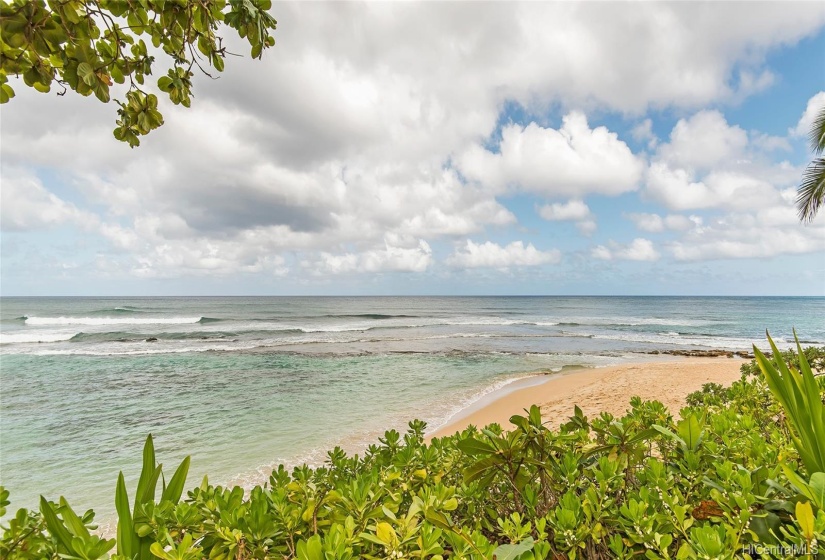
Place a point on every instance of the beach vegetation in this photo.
(735, 474)
(94, 46)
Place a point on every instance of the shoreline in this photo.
(601, 389)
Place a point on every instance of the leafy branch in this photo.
(88, 46)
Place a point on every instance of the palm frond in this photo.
(811, 193)
(816, 136)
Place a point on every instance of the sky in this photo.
(400, 148)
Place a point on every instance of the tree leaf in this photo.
(513, 551)
(86, 73)
(472, 446)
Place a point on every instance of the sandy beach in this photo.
(607, 389)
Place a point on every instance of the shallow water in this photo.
(244, 383)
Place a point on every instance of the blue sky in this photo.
(551, 148)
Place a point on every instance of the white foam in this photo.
(95, 321)
(492, 321)
(637, 321)
(30, 337)
(732, 343)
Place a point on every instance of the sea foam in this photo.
(102, 321)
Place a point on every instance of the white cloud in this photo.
(571, 161)
(587, 227)
(709, 163)
(639, 249)
(812, 109)
(655, 223)
(344, 136)
(389, 259)
(493, 255)
(762, 235)
(573, 210)
(26, 205)
(643, 132)
(702, 141)
(768, 143)
(676, 189)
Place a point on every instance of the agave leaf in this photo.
(174, 490)
(56, 527)
(127, 542)
(148, 494)
(814, 406)
(72, 521)
(798, 393)
(147, 472)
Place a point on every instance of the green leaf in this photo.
(438, 519)
(690, 431)
(86, 73)
(513, 551)
(127, 543)
(477, 470)
(311, 549)
(56, 527)
(798, 393)
(148, 473)
(6, 93)
(385, 533)
(664, 431)
(805, 519)
(817, 487)
(73, 522)
(472, 446)
(535, 415)
(158, 551)
(174, 491)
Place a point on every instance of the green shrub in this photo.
(815, 355)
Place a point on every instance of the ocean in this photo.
(245, 383)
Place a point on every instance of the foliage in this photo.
(814, 355)
(801, 398)
(811, 193)
(724, 481)
(90, 45)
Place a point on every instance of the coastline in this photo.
(596, 390)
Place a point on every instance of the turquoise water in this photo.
(242, 384)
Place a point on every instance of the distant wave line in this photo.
(102, 321)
